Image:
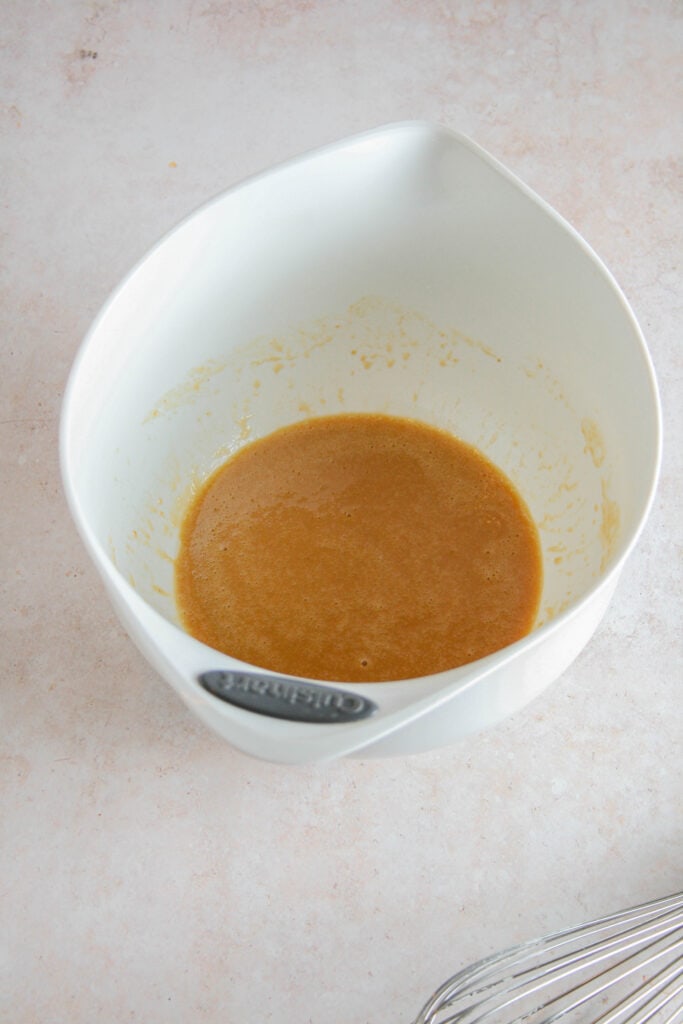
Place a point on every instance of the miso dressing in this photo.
(358, 548)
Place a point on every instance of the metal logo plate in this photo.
(293, 699)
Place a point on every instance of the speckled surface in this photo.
(147, 871)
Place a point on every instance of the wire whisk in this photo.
(626, 968)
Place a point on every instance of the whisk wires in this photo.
(626, 968)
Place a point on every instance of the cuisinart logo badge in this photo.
(287, 698)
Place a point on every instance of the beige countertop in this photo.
(148, 872)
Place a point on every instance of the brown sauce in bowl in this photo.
(358, 548)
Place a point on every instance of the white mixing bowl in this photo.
(401, 271)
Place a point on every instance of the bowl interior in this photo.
(402, 271)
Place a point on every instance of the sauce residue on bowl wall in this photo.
(358, 548)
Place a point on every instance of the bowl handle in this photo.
(284, 697)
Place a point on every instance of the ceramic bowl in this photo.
(401, 271)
